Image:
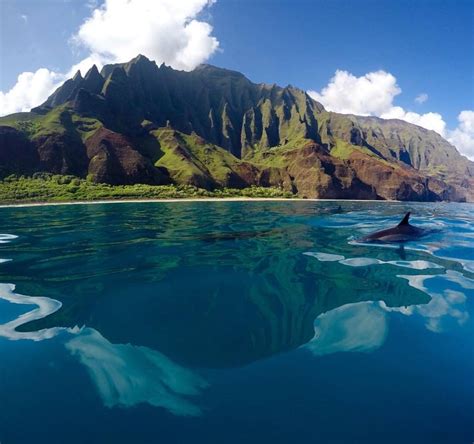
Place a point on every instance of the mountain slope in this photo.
(140, 123)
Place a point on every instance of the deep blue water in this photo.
(235, 322)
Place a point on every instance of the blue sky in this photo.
(426, 45)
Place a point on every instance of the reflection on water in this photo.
(365, 261)
(209, 292)
(126, 375)
(6, 238)
(360, 327)
(156, 300)
(445, 302)
(45, 307)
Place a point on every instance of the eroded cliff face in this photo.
(18, 155)
(114, 159)
(140, 123)
(313, 173)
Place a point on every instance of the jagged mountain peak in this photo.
(220, 105)
(93, 81)
(92, 72)
(280, 134)
(78, 76)
(140, 58)
(205, 68)
(140, 63)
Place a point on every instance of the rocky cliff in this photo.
(211, 127)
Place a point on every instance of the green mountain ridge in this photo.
(139, 123)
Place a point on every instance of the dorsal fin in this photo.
(405, 221)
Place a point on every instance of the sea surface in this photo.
(235, 322)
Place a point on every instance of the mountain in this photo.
(137, 122)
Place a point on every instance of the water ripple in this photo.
(6, 238)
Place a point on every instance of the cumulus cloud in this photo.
(431, 121)
(31, 89)
(373, 94)
(85, 64)
(421, 98)
(370, 94)
(165, 30)
(168, 31)
(463, 136)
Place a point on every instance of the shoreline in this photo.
(185, 199)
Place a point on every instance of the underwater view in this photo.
(236, 322)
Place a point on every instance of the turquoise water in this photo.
(235, 322)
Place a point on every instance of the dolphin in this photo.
(403, 232)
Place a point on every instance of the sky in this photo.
(406, 59)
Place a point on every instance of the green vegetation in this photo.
(58, 121)
(212, 128)
(28, 123)
(275, 157)
(343, 150)
(85, 125)
(187, 155)
(45, 187)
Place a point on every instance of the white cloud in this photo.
(370, 94)
(24, 17)
(85, 64)
(168, 31)
(431, 121)
(421, 98)
(165, 30)
(31, 89)
(463, 136)
(373, 94)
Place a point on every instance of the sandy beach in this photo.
(207, 199)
